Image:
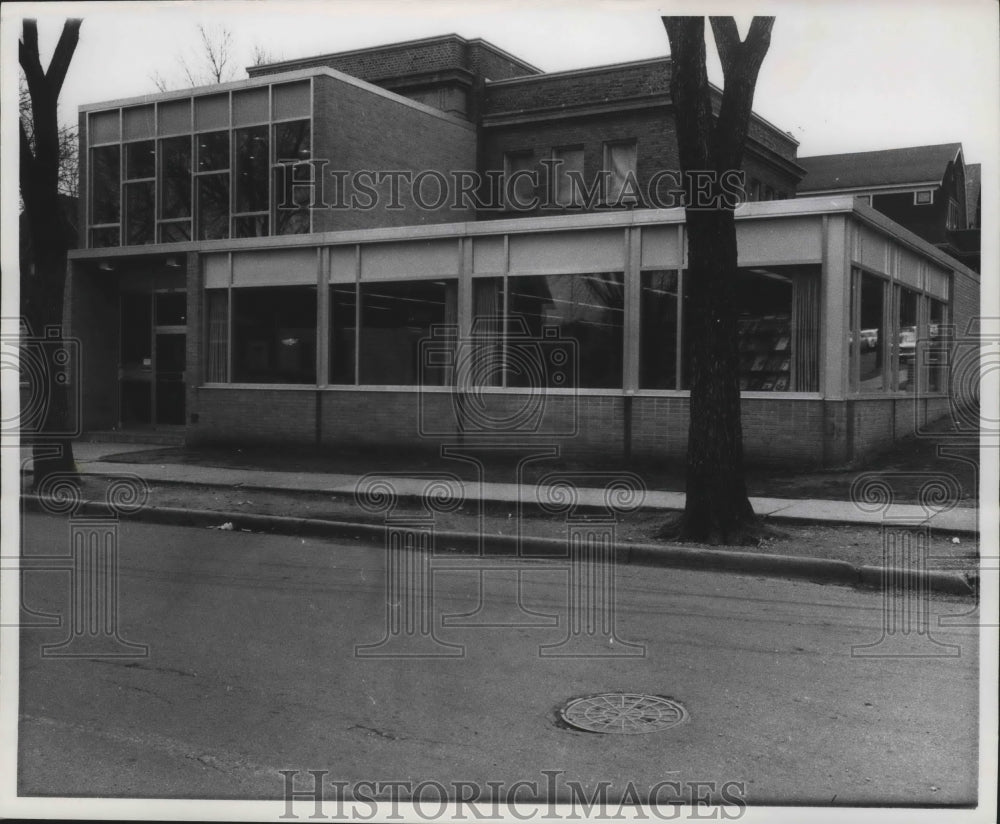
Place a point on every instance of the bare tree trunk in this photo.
(717, 508)
(49, 229)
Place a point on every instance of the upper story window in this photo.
(520, 177)
(953, 214)
(293, 185)
(567, 176)
(620, 163)
(199, 167)
(923, 197)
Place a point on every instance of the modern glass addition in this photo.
(237, 175)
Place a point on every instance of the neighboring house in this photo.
(224, 292)
(973, 194)
(924, 188)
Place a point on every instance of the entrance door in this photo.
(153, 358)
(170, 339)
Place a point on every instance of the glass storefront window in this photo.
(659, 304)
(906, 341)
(937, 356)
(274, 334)
(395, 317)
(584, 316)
(343, 333)
(871, 337)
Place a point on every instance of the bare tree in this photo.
(261, 55)
(717, 508)
(69, 142)
(214, 60)
(49, 231)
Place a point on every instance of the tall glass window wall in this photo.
(208, 167)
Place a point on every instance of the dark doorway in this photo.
(153, 358)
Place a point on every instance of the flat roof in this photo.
(404, 44)
(271, 79)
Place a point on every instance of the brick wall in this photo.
(965, 353)
(357, 130)
(656, 149)
(254, 415)
(437, 54)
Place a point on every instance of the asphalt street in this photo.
(252, 668)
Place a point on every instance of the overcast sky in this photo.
(840, 77)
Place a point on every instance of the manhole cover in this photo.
(623, 713)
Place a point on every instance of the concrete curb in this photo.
(819, 570)
(776, 517)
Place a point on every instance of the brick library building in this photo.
(407, 244)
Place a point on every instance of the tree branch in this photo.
(727, 42)
(63, 54)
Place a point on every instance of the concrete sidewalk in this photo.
(89, 459)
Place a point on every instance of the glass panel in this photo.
(213, 206)
(105, 178)
(292, 183)
(274, 335)
(343, 326)
(251, 106)
(105, 127)
(906, 341)
(102, 238)
(291, 141)
(250, 226)
(764, 326)
(217, 309)
(853, 338)
(213, 151)
(395, 317)
(140, 222)
(174, 116)
(175, 232)
(291, 100)
(140, 159)
(487, 333)
(252, 164)
(937, 356)
(171, 308)
(872, 335)
(658, 330)
(175, 177)
(170, 358)
(565, 191)
(136, 331)
(805, 340)
(211, 112)
(138, 122)
(583, 315)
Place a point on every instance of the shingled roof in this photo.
(891, 167)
